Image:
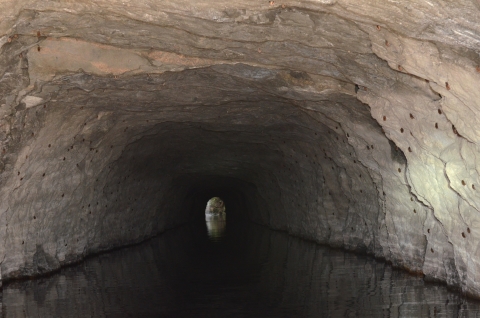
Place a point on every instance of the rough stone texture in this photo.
(350, 124)
(215, 206)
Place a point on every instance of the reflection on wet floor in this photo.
(216, 225)
(251, 272)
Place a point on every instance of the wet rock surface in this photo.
(353, 125)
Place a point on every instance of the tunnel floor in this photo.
(244, 270)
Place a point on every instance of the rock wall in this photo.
(354, 125)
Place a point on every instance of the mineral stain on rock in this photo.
(396, 154)
(42, 262)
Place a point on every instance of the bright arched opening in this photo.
(215, 218)
(215, 206)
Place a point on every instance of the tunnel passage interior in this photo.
(334, 122)
(136, 156)
(272, 149)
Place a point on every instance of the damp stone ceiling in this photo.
(351, 123)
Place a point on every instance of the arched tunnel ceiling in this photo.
(351, 124)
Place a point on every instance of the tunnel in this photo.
(353, 125)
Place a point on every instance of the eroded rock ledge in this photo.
(354, 125)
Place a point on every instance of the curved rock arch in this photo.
(354, 125)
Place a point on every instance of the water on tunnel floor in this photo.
(246, 271)
(216, 226)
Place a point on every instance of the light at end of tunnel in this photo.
(215, 218)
